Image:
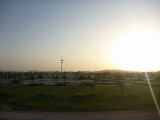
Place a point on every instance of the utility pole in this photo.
(61, 63)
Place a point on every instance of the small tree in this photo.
(121, 85)
(81, 77)
(57, 77)
(92, 87)
(89, 78)
(50, 90)
(64, 78)
(32, 78)
(120, 82)
(40, 76)
(12, 90)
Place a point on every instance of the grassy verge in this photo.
(77, 98)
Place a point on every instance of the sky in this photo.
(34, 34)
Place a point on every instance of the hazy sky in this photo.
(34, 34)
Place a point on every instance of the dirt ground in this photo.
(107, 115)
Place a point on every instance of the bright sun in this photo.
(137, 50)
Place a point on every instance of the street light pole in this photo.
(61, 63)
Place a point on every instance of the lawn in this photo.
(77, 98)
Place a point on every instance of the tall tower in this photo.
(61, 63)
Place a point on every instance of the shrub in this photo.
(15, 81)
(85, 84)
(35, 84)
(91, 95)
(80, 95)
(60, 84)
(5, 108)
(42, 96)
(132, 96)
(4, 94)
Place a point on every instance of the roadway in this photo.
(108, 115)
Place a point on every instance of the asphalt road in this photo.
(110, 115)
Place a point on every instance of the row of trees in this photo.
(52, 75)
(40, 77)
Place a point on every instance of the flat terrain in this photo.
(49, 102)
(77, 98)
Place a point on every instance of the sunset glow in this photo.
(90, 35)
(137, 50)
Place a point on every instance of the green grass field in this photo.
(77, 98)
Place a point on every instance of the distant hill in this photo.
(102, 71)
(84, 71)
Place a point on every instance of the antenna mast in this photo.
(61, 63)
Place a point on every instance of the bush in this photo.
(15, 81)
(82, 95)
(132, 96)
(91, 95)
(4, 94)
(5, 108)
(85, 84)
(60, 84)
(35, 84)
(42, 96)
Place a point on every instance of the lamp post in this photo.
(61, 63)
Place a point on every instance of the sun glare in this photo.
(137, 50)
